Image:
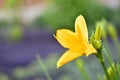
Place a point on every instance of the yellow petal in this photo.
(68, 56)
(90, 50)
(69, 39)
(81, 29)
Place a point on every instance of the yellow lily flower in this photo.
(76, 42)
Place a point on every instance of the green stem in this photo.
(117, 46)
(110, 62)
(107, 46)
(118, 70)
(105, 69)
(101, 59)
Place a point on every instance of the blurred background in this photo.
(27, 28)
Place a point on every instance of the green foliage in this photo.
(62, 13)
(41, 63)
(3, 77)
(15, 33)
(81, 67)
(3, 23)
(33, 70)
(116, 17)
(12, 3)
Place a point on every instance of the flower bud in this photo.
(111, 73)
(112, 31)
(102, 24)
(97, 44)
(98, 32)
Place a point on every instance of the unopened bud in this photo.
(111, 73)
(98, 32)
(96, 43)
(102, 24)
(112, 31)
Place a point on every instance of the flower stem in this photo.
(101, 59)
(110, 62)
(105, 69)
(117, 46)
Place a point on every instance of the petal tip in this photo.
(58, 32)
(80, 16)
(90, 50)
(59, 65)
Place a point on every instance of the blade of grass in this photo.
(110, 62)
(99, 77)
(117, 46)
(80, 65)
(118, 69)
(107, 46)
(41, 63)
